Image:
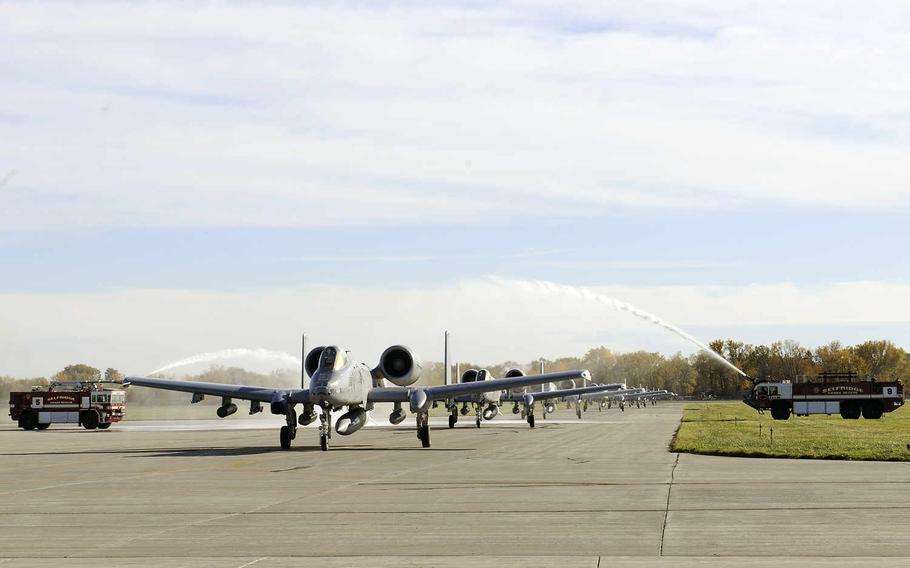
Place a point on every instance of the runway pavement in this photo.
(603, 492)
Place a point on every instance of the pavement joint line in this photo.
(121, 543)
(858, 506)
(663, 530)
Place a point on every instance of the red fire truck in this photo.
(827, 393)
(91, 405)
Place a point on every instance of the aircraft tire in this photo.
(425, 436)
(452, 420)
(284, 438)
(324, 442)
(531, 420)
(478, 421)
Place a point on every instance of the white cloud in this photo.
(140, 330)
(251, 114)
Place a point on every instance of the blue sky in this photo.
(724, 247)
(740, 169)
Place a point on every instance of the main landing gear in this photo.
(423, 428)
(529, 414)
(288, 432)
(477, 415)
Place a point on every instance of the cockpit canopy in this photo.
(333, 359)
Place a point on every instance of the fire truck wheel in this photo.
(850, 410)
(43, 426)
(90, 420)
(104, 426)
(873, 410)
(780, 412)
(28, 421)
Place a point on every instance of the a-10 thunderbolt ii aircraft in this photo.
(338, 382)
(637, 395)
(486, 404)
(524, 403)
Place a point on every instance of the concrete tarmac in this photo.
(602, 492)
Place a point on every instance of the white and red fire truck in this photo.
(827, 393)
(91, 405)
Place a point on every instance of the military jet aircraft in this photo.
(527, 401)
(338, 382)
(621, 397)
(486, 404)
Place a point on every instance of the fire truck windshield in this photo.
(118, 398)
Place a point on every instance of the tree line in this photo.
(698, 375)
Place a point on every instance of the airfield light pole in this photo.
(446, 372)
(303, 361)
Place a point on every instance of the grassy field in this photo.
(734, 429)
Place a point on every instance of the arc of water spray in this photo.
(619, 305)
(264, 354)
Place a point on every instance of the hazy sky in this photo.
(179, 179)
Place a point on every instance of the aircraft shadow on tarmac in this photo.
(229, 452)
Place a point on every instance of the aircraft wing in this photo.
(611, 394)
(519, 397)
(403, 394)
(245, 392)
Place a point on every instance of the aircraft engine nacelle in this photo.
(400, 366)
(469, 376)
(512, 373)
(312, 360)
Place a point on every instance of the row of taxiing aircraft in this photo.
(337, 382)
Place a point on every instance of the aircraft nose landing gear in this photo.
(325, 428)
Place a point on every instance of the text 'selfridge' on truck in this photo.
(827, 393)
(91, 405)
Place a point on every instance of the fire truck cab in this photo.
(91, 405)
(827, 393)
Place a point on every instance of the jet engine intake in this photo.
(400, 366)
(512, 373)
(469, 376)
(312, 360)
